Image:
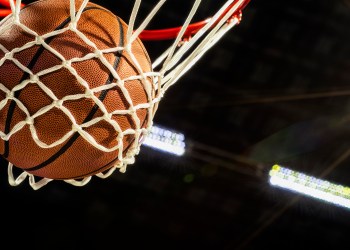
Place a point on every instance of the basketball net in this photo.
(188, 46)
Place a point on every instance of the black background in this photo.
(273, 90)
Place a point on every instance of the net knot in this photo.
(34, 78)
(9, 95)
(98, 53)
(8, 55)
(29, 120)
(132, 110)
(73, 26)
(89, 93)
(16, 20)
(76, 127)
(107, 116)
(127, 48)
(120, 136)
(67, 63)
(58, 103)
(39, 40)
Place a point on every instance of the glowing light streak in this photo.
(165, 140)
(310, 186)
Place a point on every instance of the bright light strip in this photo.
(165, 140)
(310, 186)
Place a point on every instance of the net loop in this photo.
(190, 42)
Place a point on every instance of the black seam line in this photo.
(101, 168)
(96, 170)
(93, 111)
(30, 66)
(26, 75)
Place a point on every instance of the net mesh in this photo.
(167, 70)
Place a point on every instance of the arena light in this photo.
(310, 186)
(165, 140)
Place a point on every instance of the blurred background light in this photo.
(310, 186)
(166, 140)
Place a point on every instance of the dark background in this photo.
(273, 90)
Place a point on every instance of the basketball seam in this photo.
(25, 75)
(13, 104)
(94, 109)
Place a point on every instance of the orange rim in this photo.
(157, 34)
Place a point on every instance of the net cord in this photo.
(168, 68)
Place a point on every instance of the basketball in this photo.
(59, 86)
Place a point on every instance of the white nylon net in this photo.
(167, 70)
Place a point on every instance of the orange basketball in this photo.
(75, 157)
